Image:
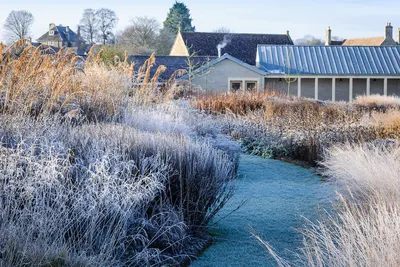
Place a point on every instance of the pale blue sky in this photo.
(347, 18)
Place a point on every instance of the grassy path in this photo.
(276, 194)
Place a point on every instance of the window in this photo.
(51, 32)
(236, 86)
(251, 86)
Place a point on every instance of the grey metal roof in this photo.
(226, 56)
(329, 60)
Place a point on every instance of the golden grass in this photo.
(237, 103)
(377, 100)
(36, 81)
(387, 124)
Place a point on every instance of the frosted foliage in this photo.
(103, 195)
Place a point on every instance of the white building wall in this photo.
(216, 78)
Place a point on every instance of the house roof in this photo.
(229, 57)
(242, 46)
(172, 63)
(372, 41)
(337, 42)
(329, 60)
(60, 34)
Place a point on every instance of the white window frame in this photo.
(244, 80)
(236, 81)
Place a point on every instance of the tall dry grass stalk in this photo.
(364, 227)
(238, 103)
(377, 100)
(37, 81)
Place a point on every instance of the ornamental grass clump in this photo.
(37, 80)
(104, 194)
(237, 103)
(363, 227)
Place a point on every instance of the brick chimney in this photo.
(51, 26)
(328, 36)
(389, 31)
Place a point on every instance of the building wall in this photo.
(179, 48)
(359, 87)
(342, 89)
(376, 87)
(393, 87)
(280, 85)
(308, 87)
(325, 89)
(216, 78)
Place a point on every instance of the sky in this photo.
(347, 18)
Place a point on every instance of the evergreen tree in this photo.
(179, 16)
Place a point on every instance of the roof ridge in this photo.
(234, 33)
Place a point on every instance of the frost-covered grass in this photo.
(357, 144)
(95, 170)
(301, 129)
(364, 227)
(377, 100)
(104, 194)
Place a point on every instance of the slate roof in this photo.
(60, 34)
(330, 60)
(172, 63)
(242, 46)
(337, 42)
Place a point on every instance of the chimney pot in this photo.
(389, 31)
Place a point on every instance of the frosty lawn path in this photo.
(277, 194)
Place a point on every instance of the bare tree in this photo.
(309, 40)
(222, 30)
(165, 41)
(89, 26)
(107, 20)
(141, 35)
(18, 24)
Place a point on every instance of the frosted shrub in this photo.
(103, 195)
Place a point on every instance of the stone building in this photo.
(385, 39)
(60, 36)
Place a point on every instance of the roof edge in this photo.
(226, 56)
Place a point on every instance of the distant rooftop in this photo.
(172, 63)
(242, 46)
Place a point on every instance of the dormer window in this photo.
(51, 32)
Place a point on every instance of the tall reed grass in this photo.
(109, 190)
